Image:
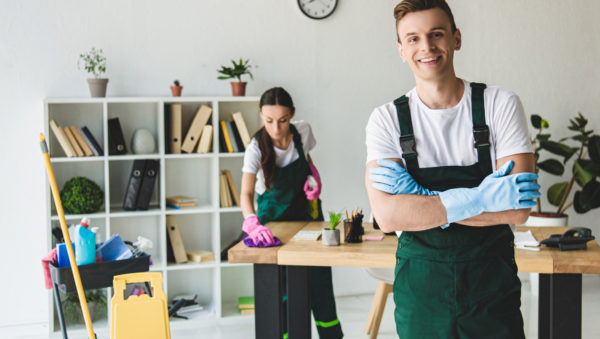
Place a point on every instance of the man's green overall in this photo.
(458, 282)
(286, 201)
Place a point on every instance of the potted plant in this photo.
(331, 235)
(176, 88)
(239, 68)
(585, 169)
(96, 300)
(94, 63)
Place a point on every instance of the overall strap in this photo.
(407, 138)
(298, 144)
(481, 131)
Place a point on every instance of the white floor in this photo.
(353, 312)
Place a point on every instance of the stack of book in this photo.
(179, 201)
(246, 305)
(76, 141)
(198, 137)
(228, 193)
(233, 136)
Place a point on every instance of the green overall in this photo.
(286, 201)
(458, 282)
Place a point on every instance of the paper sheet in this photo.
(526, 241)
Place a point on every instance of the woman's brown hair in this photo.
(274, 96)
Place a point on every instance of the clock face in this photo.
(317, 9)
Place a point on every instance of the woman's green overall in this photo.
(458, 282)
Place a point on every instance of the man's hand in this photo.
(392, 178)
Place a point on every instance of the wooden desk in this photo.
(560, 278)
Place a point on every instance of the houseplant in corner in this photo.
(94, 62)
(331, 235)
(176, 88)
(585, 170)
(239, 68)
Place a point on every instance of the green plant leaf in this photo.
(556, 192)
(588, 198)
(590, 166)
(582, 173)
(552, 166)
(543, 137)
(536, 121)
(334, 219)
(594, 148)
(558, 148)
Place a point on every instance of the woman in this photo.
(276, 167)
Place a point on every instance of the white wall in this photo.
(337, 70)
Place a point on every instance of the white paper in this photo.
(526, 241)
(307, 235)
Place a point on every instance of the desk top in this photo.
(382, 253)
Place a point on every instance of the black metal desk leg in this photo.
(298, 289)
(268, 301)
(61, 317)
(560, 306)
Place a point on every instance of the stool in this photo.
(384, 288)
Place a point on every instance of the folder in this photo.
(95, 145)
(236, 137)
(232, 188)
(205, 139)
(87, 151)
(72, 141)
(226, 136)
(175, 239)
(231, 137)
(62, 139)
(193, 133)
(242, 128)
(224, 194)
(116, 141)
(175, 128)
(148, 181)
(133, 187)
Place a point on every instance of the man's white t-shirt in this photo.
(444, 137)
(283, 157)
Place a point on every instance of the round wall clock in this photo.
(317, 9)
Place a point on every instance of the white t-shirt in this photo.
(283, 157)
(444, 137)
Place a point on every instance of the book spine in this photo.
(92, 140)
(62, 139)
(87, 151)
(226, 136)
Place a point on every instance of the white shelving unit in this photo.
(218, 284)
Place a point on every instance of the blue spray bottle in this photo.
(85, 243)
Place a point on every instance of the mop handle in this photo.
(68, 244)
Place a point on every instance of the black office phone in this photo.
(573, 239)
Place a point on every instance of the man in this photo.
(455, 271)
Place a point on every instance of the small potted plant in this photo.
(585, 170)
(94, 63)
(331, 235)
(239, 68)
(176, 88)
(96, 300)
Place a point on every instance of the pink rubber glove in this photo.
(316, 190)
(256, 231)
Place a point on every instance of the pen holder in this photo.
(353, 231)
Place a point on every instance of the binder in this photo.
(205, 139)
(72, 141)
(236, 137)
(231, 137)
(133, 187)
(228, 145)
(116, 141)
(222, 144)
(95, 145)
(62, 139)
(175, 128)
(242, 128)
(193, 133)
(147, 188)
(87, 151)
(175, 239)
(232, 188)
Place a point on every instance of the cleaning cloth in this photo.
(50, 257)
(250, 243)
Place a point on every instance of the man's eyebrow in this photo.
(440, 28)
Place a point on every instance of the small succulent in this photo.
(176, 83)
(334, 220)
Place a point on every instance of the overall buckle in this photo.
(408, 145)
(481, 136)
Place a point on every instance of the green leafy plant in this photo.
(93, 62)
(81, 195)
(96, 300)
(176, 83)
(239, 68)
(334, 220)
(585, 168)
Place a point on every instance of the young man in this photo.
(455, 274)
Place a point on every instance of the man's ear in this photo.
(457, 40)
(400, 51)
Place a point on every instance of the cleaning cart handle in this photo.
(120, 281)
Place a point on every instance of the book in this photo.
(242, 128)
(133, 187)
(308, 235)
(205, 139)
(72, 141)
(247, 311)
(180, 206)
(224, 194)
(175, 239)
(237, 137)
(175, 128)
(181, 199)
(62, 139)
(231, 185)
(147, 187)
(200, 256)
(87, 151)
(245, 303)
(95, 145)
(226, 136)
(234, 145)
(222, 144)
(193, 133)
(116, 141)
(88, 141)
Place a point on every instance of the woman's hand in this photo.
(256, 231)
(313, 190)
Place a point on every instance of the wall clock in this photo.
(317, 9)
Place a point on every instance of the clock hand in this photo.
(321, 1)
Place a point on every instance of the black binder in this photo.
(116, 141)
(147, 188)
(92, 140)
(135, 182)
(238, 138)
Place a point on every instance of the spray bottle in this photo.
(85, 243)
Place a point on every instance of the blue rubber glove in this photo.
(392, 178)
(497, 192)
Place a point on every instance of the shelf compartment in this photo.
(197, 233)
(133, 116)
(129, 228)
(190, 177)
(120, 172)
(236, 281)
(78, 114)
(230, 228)
(65, 171)
(188, 112)
(199, 281)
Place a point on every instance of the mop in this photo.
(68, 244)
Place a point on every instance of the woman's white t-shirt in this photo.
(283, 157)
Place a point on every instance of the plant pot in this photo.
(176, 90)
(238, 88)
(330, 237)
(98, 87)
